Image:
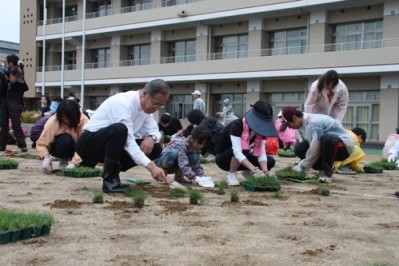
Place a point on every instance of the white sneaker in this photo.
(232, 179)
(204, 181)
(323, 178)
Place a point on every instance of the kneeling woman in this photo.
(60, 134)
(234, 150)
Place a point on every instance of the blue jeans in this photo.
(170, 157)
(63, 147)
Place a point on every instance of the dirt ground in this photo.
(358, 224)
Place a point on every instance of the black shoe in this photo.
(397, 194)
(114, 186)
(24, 149)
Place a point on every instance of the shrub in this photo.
(29, 116)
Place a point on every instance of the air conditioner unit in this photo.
(182, 13)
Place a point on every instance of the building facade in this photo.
(7, 48)
(242, 50)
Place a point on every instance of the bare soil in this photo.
(358, 224)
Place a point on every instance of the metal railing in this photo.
(327, 48)
(126, 9)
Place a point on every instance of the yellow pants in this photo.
(353, 161)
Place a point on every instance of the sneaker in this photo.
(345, 170)
(323, 178)
(63, 163)
(232, 179)
(24, 149)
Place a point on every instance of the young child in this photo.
(352, 164)
(182, 154)
(390, 142)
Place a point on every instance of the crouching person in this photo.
(182, 155)
(234, 150)
(59, 136)
(109, 136)
(324, 141)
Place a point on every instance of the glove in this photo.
(392, 158)
(266, 173)
(47, 164)
(297, 168)
(257, 172)
(70, 165)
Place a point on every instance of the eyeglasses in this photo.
(158, 106)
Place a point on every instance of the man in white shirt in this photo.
(198, 102)
(109, 136)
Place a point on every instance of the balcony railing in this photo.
(327, 48)
(126, 9)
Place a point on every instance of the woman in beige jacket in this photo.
(329, 96)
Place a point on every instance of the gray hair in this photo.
(156, 86)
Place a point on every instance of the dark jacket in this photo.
(216, 128)
(16, 90)
(3, 85)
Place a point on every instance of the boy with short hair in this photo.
(352, 164)
(182, 155)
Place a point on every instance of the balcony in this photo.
(286, 51)
(116, 11)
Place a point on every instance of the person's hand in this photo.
(47, 164)
(70, 165)
(156, 172)
(146, 145)
(297, 168)
(256, 172)
(266, 173)
(392, 158)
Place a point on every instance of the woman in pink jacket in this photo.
(328, 95)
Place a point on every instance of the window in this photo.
(279, 100)
(101, 8)
(181, 51)
(231, 46)
(179, 105)
(71, 11)
(364, 112)
(355, 36)
(288, 41)
(101, 58)
(70, 60)
(237, 100)
(139, 54)
(138, 5)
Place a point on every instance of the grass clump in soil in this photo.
(196, 197)
(234, 195)
(176, 193)
(222, 185)
(98, 197)
(138, 199)
(322, 191)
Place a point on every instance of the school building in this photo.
(244, 50)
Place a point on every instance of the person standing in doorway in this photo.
(198, 102)
(328, 96)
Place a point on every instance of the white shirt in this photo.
(199, 104)
(125, 108)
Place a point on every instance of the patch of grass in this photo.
(98, 197)
(176, 193)
(203, 160)
(8, 164)
(287, 153)
(234, 195)
(278, 194)
(196, 197)
(288, 173)
(264, 181)
(29, 116)
(12, 220)
(222, 185)
(322, 191)
(82, 171)
(374, 167)
(376, 263)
